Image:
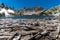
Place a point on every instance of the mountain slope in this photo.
(54, 11)
(7, 11)
(29, 11)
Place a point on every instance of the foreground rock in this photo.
(29, 29)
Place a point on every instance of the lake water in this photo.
(28, 17)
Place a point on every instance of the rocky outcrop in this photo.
(30, 11)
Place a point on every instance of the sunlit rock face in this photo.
(6, 11)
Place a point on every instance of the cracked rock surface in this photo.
(29, 29)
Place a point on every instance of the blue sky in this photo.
(30, 3)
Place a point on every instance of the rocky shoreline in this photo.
(29, 29)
